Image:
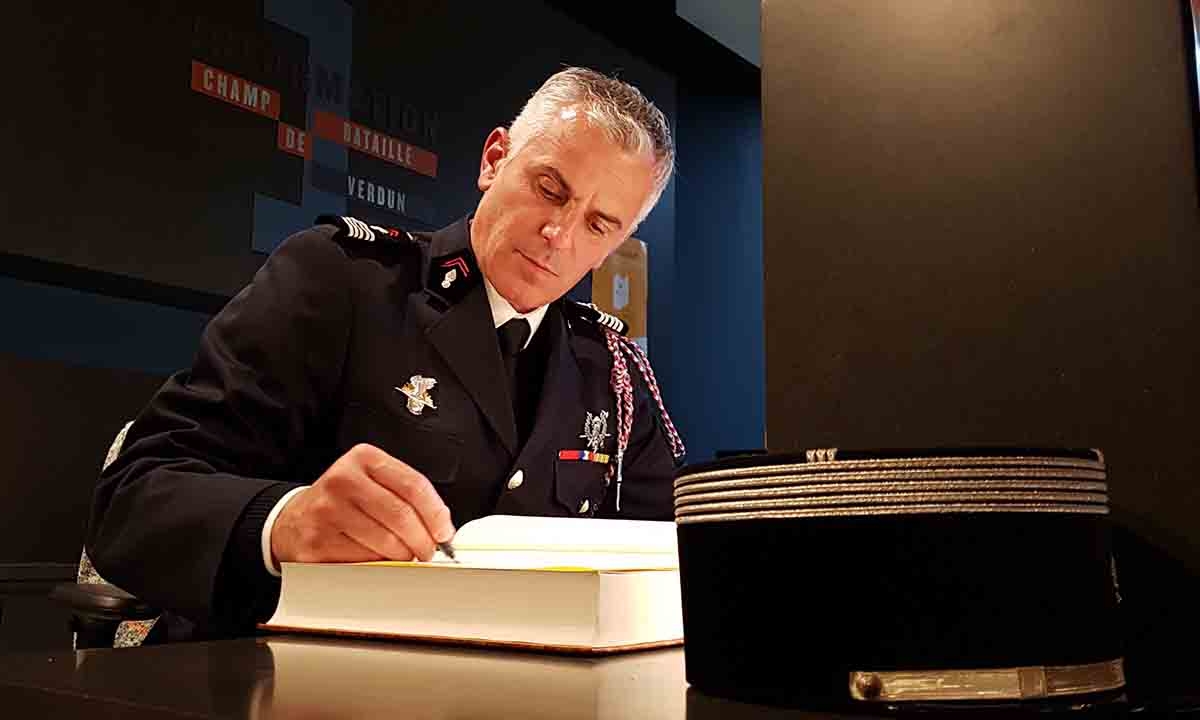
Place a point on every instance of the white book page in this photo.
(566, 561)
(511, 533)
(511, 542)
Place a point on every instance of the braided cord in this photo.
(622, 385)
(639, 358)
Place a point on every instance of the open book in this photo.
(563, 584)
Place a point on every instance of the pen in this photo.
(447, 549)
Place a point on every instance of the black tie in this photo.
(512, 336)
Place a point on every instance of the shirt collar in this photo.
(503, 311)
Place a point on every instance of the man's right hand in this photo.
(367, 506)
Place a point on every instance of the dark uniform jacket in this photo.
(309, 360)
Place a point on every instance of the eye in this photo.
(599, 228)
(549, 189)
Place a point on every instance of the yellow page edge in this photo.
(465, 566)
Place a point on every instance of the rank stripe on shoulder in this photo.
(590, 313)
(356, 229)
(611, 321)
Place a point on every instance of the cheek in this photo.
(595, 253)
(514, 227)
(582, 262)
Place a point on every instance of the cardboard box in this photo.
(621, 287)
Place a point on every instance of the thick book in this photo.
(588, 586)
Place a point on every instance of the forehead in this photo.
(589, 160)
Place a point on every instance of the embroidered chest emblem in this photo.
(417, 391)
(595, 430)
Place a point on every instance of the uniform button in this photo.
(515, 481)
(583, 507)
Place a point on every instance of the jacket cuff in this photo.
(248, 533)
(267, 557)
(246, 592)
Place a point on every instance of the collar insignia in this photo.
(456, 265)
(452, 276)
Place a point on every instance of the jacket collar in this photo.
(458, 320)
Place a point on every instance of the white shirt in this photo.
(502, 312)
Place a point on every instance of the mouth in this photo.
(538, 265)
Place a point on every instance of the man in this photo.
(356, 401)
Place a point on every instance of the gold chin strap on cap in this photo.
(1014, 683)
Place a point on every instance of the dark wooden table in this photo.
(305, 677)
(299, 677)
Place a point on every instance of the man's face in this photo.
(556, 209)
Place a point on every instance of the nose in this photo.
(560, 230)
(552, 230)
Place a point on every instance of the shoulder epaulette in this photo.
(590, 315)
(355, 229)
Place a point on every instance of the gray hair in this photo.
(627, 117)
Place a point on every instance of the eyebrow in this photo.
(553, 171)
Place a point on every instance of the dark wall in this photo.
(51, 458)
(117, 164)
(980, 227)
(718, 319)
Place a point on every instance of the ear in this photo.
(495, 150)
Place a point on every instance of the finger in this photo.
(387, 510)
(334, 546)
(417, 513)
(415, 489)
(353, 485)
(365, 530)
(395, 514)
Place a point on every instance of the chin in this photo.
(521, 292)
(514, 293)
(530, 299)
(525, 303)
